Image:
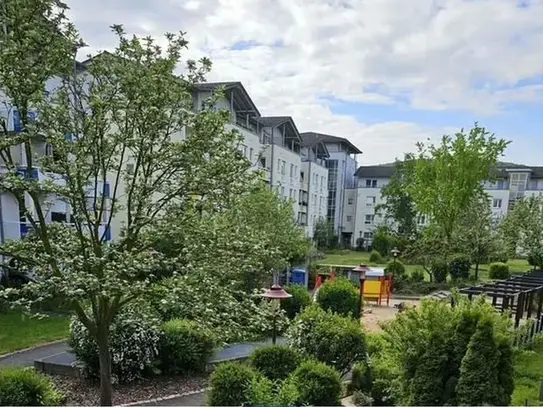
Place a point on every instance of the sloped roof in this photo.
(274, 121)
(228, 86)
(326, 138)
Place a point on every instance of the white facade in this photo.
(514, 182)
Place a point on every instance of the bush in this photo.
(26, 387)
(339, 295)
(440, 270)
(185, 347)
(230, 384)
(498, 271)
(134, 338)
(265, 392)
(396, 268)
(329, 338)
(375, 257)
(459, 267)
(416, 276)
(318, 384)
(382, 241)
(299, 300)
(275, 362)
(361, 399)
(361, 378)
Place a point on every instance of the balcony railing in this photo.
(104, 231)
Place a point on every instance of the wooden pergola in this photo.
(518, 294)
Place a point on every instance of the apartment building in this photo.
(514, 182)
(341, 166)
(313, 200)
(272, 144)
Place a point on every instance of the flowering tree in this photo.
(121, 158)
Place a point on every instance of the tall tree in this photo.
(398, 206)
(446, 177)
(125, 116)
(476, 236)
(523, 227)
(324, 235)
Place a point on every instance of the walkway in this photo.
(26, 357)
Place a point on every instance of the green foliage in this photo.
(332, 339)
(299, 300)
(232, 315)
(324, 235)
(427, 347)
(498, 271)
(361, 378)
(447, 177)
(375, 257)
(459, 267)
(416, 276)
(361, 399)
(478, 383)
(229, 385)
(339, 295)
(133, 342)
(396, 268)
(26, 387)
(275, 362)
(185, 346)
(440, 270)
(523, 228)
(382, 241)
(265, 392)
(318, 384)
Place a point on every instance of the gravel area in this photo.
(83, 392)
(375, 314)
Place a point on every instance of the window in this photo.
(368, 235)
(368, 220)
(58, 217)
(282, 191)
(130, 169)
(349, 218)
(291, 170)
(279, 165)
(350, 201)
(245, 151)
(497, 203)
(421, 220)
(48, 149)
(370, 201)
(371, 183)
(283, 167)
(251, 152)
(322, 183)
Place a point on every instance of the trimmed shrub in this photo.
(318, 384)
(498, 271)
(459, 267)
(330, 338)
(361, 399)
(275, 362)
(375, 257)
(339, 295)
(230, 385)
(299, 300)
(440, 270)
(416, 276)
(26, 387)
(185, 346)
(396, 268)
(133, 339)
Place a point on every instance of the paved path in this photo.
(197, 399)
(27, 357)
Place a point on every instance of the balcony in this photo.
(304, 185)
(104, 231)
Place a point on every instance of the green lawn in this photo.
(18, 331)
(355, 258)
(528, 376)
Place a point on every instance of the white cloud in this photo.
(439, 54)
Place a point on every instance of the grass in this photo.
(528, 376)
(18, 331)
(354, 258)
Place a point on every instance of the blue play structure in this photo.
(297, 276)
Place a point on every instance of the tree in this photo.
(324, 235)
(127, 107)
(447, 177)
(523, 228)
(398, 205)
(478, 383)
(475, 235)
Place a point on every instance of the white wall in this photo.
(317, 177)
(285, 173)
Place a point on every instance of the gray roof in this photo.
(326, 138)
(229, 86)
(387, 170)
(274, 121)
(310, 142)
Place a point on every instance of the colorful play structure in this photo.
(374, 282)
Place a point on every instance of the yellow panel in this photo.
(372, 288)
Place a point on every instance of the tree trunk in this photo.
(477, 270)
(106, 391)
